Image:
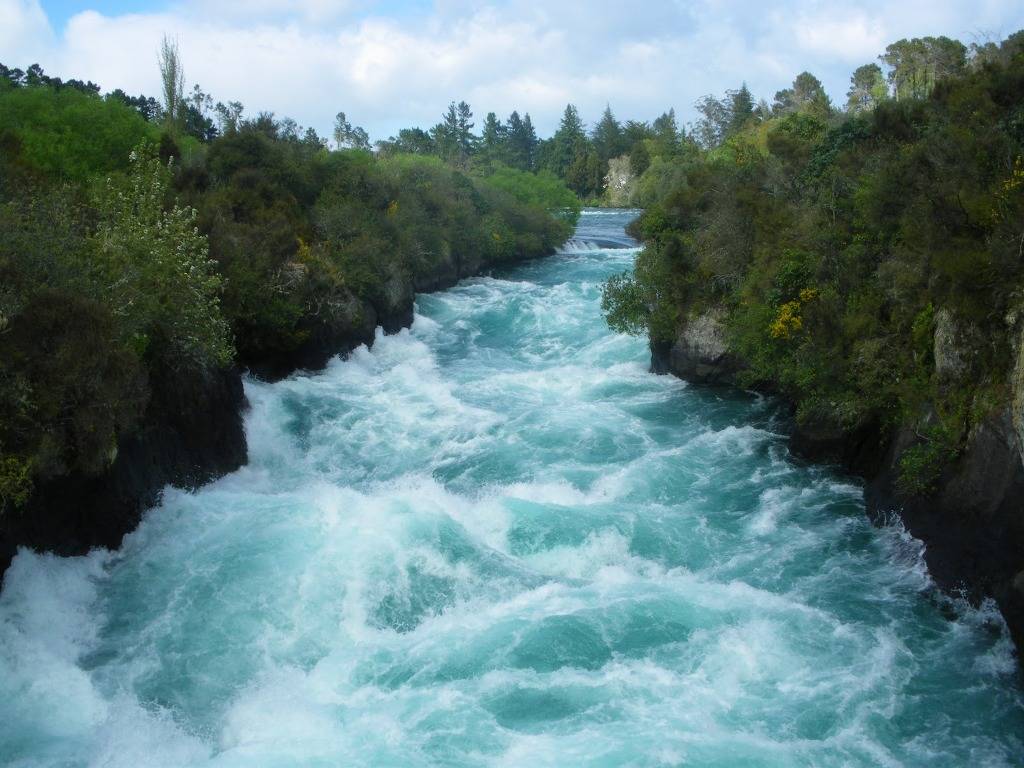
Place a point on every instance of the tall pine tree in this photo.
(607, 136)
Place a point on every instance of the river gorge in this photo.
(496, 538)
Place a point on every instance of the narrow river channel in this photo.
(496, 539)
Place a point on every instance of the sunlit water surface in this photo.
(496, 539)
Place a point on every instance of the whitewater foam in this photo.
(496, 539)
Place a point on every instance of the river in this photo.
(496, 539)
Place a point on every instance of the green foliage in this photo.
(15, 482)
(806, 96)
(922, 333)
(921, 466)
(867, 89)
(832, 243)
(917, 65)
(793, 274)
(71, 387)
(624, 305)
(161, 282)
(71, 134)
(608, 138)
(543, 190)
(68, 382)
(639, 158)
(660, 178)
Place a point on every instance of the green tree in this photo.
(713, 125)
(624, 304)
(867, 89)
(607, 137)
(347, 136)
(741, 110)
(160, 281)
(229, 116)
(493, 138)
(172, 77)
(197, 109)
(466, 139)
(413, 141)
(453, 136)
(529, 141)
(639, 158)
(807, 94)
(568, 142)
(666, 135)
(917, 64)
(148, 107)
(585, 175)
(521, 141)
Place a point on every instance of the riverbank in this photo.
(138, 287)
(496, 538)
(865, 264)
(192, 432)
(972, 521)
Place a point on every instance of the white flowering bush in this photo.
(162, 284)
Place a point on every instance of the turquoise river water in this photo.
(496, 539)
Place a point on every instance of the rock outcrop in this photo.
(700, 352)
(955, 348)
(1016, 323)
(192, 431)
(972, 523)
(337, 325)
(620, 182)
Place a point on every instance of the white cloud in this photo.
(315, 11)
(852, 36)
(24, 32)
(312, 58)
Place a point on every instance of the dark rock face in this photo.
(860, 449)
(192, 432)
(972, 525)
(338, 327)
(700, 353)
(394, 306)
(445, 273)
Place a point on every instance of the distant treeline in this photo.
(603, 162)
(600, 163)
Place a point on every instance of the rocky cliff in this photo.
(971, 522)
(700, 352)
(192, 430)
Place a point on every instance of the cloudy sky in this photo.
(394, 64)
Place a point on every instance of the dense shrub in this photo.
(120, 262)
(71, 134)
(835, 247)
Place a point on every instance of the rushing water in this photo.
(496, 539)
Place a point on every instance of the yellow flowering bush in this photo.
(787, 320)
